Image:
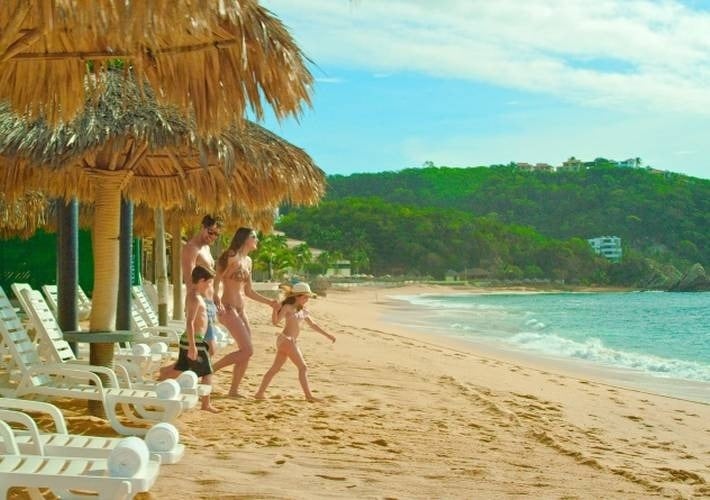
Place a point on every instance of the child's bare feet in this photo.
(210, 409)
(163, 372)
(312, 399)
(234, 395)
(260, 397)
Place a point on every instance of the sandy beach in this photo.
(405, 415)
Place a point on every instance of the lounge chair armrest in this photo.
(17, 417)
(84, 375)
(102, 370)
(121, 370)
(172, 333)
(165, 329)
(37, 407)
(8, 439)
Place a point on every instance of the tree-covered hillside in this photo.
(388, 238)
(663, 215)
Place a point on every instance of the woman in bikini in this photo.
(293, 311)
(234, 273)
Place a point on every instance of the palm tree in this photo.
(359, 260)
(302, 256)
(272, 254)
(328, 259)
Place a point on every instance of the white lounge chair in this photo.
(162, 439)
(83, 303)
(17, 290)
(113, 477)
(148, 309)
(53, 346)
(137, 374)
(147, 333)
(56, 380)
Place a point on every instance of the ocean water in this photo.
(656, 341)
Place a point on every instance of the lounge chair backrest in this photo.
(82, 299)
(51, 339)
(145, 305)
(83, 303)
(17, 289)
(17, 341)
(138, 322)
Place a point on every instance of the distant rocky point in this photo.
(695, 280)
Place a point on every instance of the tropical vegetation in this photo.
(502, 222)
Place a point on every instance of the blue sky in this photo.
(478, 82)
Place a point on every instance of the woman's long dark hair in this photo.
(240, 237)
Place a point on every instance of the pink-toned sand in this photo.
(409, 416)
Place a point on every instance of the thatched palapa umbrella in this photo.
(22, 217)
(211, 59)
(126, 144)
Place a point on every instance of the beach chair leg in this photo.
(34, 493)
(170, 410)
(111, 407)
(114, 491)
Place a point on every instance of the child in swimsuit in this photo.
(194, 350)
(293, 311)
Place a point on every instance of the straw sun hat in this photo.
(300, 288)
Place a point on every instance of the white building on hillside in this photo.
(608, 247)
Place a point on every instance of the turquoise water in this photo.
(654, 334)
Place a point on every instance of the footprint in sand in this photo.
(331, 478)
(275, 441)
(207, 482)
(683, 476)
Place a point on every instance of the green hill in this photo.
(654, 213)
(507, 223)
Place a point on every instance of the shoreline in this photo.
(468, 287)
(613, 376)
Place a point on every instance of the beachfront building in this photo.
(538, 167)
(572, 164)
(340, 268)
(608, 247)
(521, 165)
(629, 163)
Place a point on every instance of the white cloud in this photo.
(661, 49)
(328, 79)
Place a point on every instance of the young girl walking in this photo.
(293, 310)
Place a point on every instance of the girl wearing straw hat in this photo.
(294, 312)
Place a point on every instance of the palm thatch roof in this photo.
(125, 131)
(20, 218)
(210, 59)
(191, 217)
